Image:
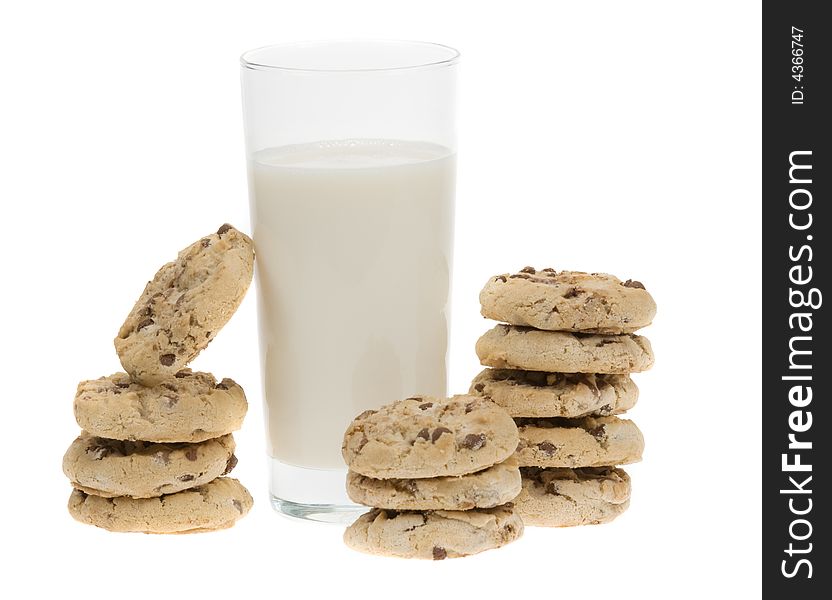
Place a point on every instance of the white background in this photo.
(600, 136)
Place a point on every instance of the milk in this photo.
(354, 248)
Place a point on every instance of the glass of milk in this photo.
(351, 166)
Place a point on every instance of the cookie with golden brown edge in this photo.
(434, 535)
(429, 437)
(215, 505)
(514, 347)
(484, 489)
(586, 442)
(110, 468)
(568, 301)
(185, 305)
(190, 407)
(539, 394)
(569, 497)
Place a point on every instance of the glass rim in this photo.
(247, 60)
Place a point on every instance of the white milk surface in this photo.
(354, 247)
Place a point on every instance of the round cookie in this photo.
(587, 442)
(215, 505)
(435, 534)
(568, 301)
(429, 437)
(484, 489)
(185, 305)
(569, 497)
(513, 347)
(191, 407)
(111, 468)
(538, 394)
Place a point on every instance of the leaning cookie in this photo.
(512, 347)
(587, 442)
(185, 305)
(433, 535)
(484, 489)
(429, 437)
(538, 394)
(111, 468)
(215, 505)
(190, 407)
(568, 301)
(569, 497)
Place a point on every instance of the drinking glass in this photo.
(351, 167)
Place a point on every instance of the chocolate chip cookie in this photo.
(539, 394)
(215, 505)
(429, 437)
(185, 305)
(109, 468)
(190, 407)
(513, 347)
(587, 442)
(484, 489)
(568, 301)
(568, 497)
(433, 535)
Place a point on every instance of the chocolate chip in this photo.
(425, 406)
(470, 406)
(226, 227)
(229, 466)
(190, 454)
(573, 293)
(146, 311)
(633, 284)
(167, 359)
(439, 553)
(528, 270)
(551, 488)
(605, 410)
(123, 385)
(169, 386)
(182, 374)
(205, 242)
(437, 433)
(501, 278)
(550, 270)
(424, 434)
(144, 323)
(237, 505)
(186, 477)
(547, 448)
(597, 432)
(536, 378)
(473, 441)
(519, 276)
(221, 385)
(479, 387)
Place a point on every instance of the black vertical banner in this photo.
(797, 393)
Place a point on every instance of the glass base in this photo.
(312, 494)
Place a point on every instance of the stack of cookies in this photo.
(560, 364)
(156, 440)
(440, 475)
